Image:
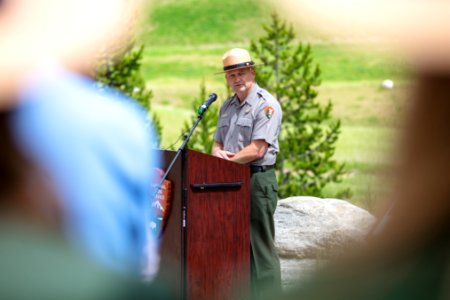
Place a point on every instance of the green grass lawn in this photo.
(366, 151)
(197, 22)
(185, 41)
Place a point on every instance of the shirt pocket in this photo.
(244, 126)
(223, 125)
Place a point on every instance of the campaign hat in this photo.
(237, 58)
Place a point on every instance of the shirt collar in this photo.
(252, 98)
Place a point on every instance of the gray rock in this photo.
(310, 230)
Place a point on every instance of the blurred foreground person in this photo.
(408, 255)
(95, 147)
(36, 260)
(97, 150)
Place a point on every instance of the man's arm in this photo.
(255, 150)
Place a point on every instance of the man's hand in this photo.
(217, 151)
(223, 154)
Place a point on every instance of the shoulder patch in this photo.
(268, 110)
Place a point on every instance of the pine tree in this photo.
(203, 137)
(123, 74)
(309, 133)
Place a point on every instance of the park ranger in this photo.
(247, 133)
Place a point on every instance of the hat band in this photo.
(241, 65)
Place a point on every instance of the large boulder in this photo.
(310, 230)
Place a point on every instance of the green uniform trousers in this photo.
(264, 261)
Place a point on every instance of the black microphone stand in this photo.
(179, 151)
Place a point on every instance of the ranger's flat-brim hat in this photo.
(235, 59)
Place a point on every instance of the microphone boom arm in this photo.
(179, 151)
(201, 110)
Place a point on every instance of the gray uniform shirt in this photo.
(258, 117)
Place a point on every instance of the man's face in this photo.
(241, 81)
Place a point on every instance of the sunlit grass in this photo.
(366, 151)
(190, 22)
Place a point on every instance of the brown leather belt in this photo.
(256, 169)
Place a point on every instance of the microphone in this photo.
(202, 108)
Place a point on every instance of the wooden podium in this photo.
(205, 249)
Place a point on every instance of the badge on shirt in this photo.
(269, 111)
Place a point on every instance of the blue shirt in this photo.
(97, 149)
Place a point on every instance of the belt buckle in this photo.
(257, 169)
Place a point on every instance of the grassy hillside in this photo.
(187, 66)
(184, 44)
(191, 22)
